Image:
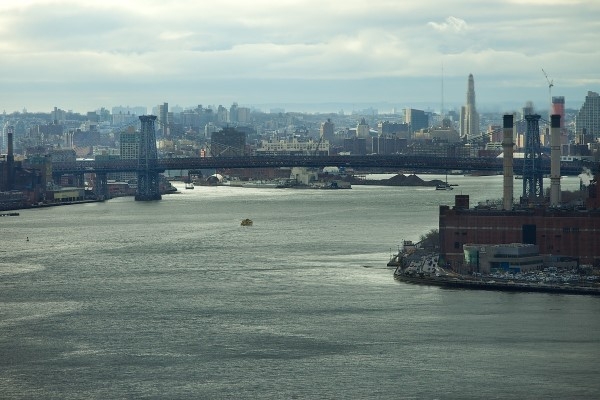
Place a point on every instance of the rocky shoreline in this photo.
(507, 286)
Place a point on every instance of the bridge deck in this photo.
(417, 163)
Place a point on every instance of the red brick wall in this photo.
(566, 233)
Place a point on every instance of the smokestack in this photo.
(10, 130)
(10, 157)
(507, 146)
(554, 160)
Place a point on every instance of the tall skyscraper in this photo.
(163, 118)
(587, 122)
(469, 118)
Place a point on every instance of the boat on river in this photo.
(444, 186)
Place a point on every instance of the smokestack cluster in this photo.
(554, 160)
(508, 147)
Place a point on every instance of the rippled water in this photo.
(174, 299)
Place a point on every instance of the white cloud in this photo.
(451, 25)
(113, 43)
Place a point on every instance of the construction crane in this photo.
(550, 84)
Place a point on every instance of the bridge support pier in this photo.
(147, 175)
(101, 187)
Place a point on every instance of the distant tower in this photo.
(327, 129)
(469, 118)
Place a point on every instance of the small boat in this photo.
(246, 222)
(443, 186)
(189, 185)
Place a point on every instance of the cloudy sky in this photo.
(85, 54)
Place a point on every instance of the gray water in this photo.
(174, 299)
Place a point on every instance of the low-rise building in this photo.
(513, 257)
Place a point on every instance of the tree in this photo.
(431, 239)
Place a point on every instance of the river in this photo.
(175, 300)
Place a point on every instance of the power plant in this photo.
(561, 232)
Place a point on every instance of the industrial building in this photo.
(513, 258)
(557, 229)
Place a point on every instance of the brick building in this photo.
(556, 232)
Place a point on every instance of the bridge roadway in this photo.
(388, 162)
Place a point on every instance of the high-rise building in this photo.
(327, 130)
(243, 115)
(233, 113)
(416, 119)
(163, 118)
(587, 122)
(227, 142)
(469, 118)
(129, 144)
(362, 129)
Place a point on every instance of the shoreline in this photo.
(456, 283)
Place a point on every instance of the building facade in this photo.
(416, 119)
(129, 146)
(558, 232)
(293, 146)
(227, 143)
(327, 130)
(362, 129)
(587, 122)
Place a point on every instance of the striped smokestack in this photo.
(507, 146)
(554, 160)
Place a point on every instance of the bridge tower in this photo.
(101, 186)
(533, 189)
(147, 175)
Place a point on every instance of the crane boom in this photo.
(550, 82)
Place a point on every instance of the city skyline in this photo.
(298, 55)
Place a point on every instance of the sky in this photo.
(300, 55)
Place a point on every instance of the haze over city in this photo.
(302, 55)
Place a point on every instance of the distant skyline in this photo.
(300, 55)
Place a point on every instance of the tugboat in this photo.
(246, 222)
